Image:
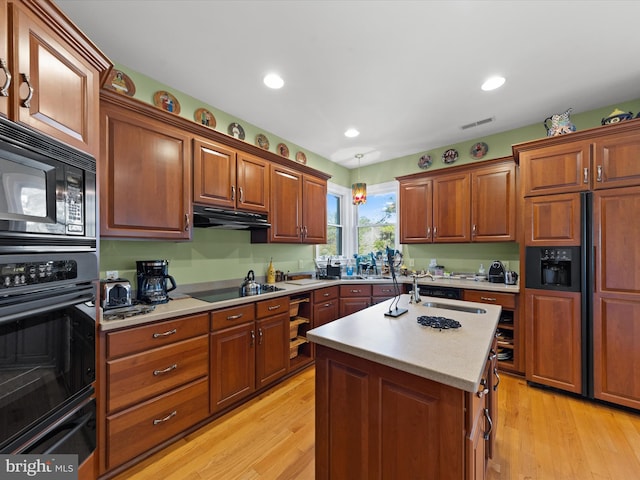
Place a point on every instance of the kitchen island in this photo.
(395, 399)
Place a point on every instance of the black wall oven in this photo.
(48, 281)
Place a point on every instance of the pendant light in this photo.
(359, 190)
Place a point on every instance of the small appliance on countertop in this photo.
(152, 281)
(115, 293)
(496, 272)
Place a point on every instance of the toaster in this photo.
(496, 272)
(115, 293)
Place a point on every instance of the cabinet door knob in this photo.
(26, 103)
(4, 90)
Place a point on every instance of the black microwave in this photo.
(47, 193)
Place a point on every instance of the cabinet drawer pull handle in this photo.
(273, 307)
(327, 305)
(386, 290)
(474, 230)
(259, 336)
(235, 317)
(599, 173)
(495, 372)
(4, 90)
(487, 434)
(168, 417)
(165, 370)
(241, 194)
(428, 232)
(253, 339)
(585, 175)
(187, 222)
(26, 103)
(325, 294)
(233, 193)
(355, 291)
(488, 299)
(435, 232)
(165, 334)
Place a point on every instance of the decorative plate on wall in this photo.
(166, 102)
(450, 156)
(301, 158)
(425, 161)
(479, 150)
(262, 141)
(205, 117)
(120, 82)
(283, 150)
(236, 130)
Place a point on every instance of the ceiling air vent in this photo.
(477, 124)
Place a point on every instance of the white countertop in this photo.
(185, 305)
(454, 357)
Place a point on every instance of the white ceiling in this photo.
(406, 74)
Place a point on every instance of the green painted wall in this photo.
(225, 255)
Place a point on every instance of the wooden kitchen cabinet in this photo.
(554, 339)
(298, 211)
(460, 204)
(55, 74)
(373, 421)
(249, 349)
(598, 158)
(156, 385)
(510, 334)
(326, 305)
(451, 208)
(616, 298)
(553, 220)
(493, 203)
(145, 192)
(301, 351)
(416, 211)
(229, 178)
(382, 292)
(354, 298)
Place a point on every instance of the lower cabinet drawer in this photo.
(136, 430)
(145, 375)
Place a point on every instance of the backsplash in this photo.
(462, 258)
(212, 255)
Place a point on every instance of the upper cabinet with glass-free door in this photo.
(50, 74)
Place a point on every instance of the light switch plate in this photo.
(112, 274)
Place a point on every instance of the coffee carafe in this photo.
(152, 281)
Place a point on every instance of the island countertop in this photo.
(454, 357)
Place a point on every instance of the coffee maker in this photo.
(152, 281)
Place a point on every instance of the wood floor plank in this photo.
(542, 435)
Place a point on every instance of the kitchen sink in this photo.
(365, 277)
(458, 308)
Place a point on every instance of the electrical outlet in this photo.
(412, 262)
(506, 265)
(112, 274)
(300, 264)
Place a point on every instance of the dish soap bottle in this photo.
(271, 272)
(481, 269)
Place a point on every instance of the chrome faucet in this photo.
(415, 293)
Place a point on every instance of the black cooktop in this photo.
(220, 294)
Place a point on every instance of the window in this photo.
(335, 227)
(377, 219)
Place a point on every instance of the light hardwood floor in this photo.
(542, 435)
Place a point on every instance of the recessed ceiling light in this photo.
(273, 80)
(352, 132)
(493, 83)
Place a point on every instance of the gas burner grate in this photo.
(438, 322)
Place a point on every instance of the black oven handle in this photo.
(45, 304)
(73, 427)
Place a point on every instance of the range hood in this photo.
(215, 217)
